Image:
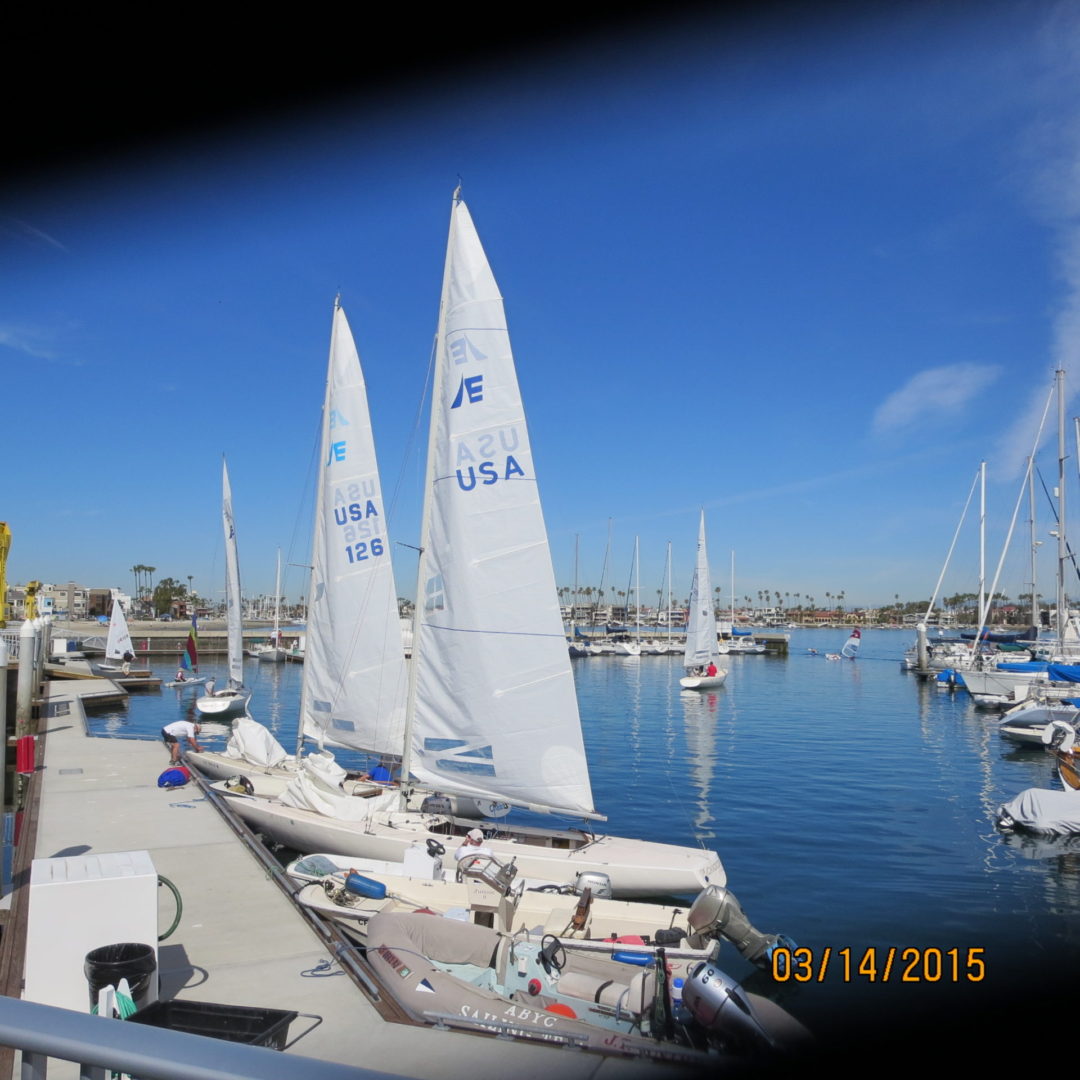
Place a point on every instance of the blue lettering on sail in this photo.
(354, 512)
(462, 350)
(337, 452)
(488, 473)
(473, 386)
(337, 419)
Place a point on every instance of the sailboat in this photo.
(633, 648)
(491, 709)
(273, 651)
(232, 699)
(188, 672)
(700, 655)
(118, 645)
(851, 646)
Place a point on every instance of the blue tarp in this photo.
(1063, 672)
(1023, 665)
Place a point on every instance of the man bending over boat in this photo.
(171, 734)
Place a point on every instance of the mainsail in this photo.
(234, 615)
(701, 621)
(851, 646)
(189, 658)
(354, 662)
(119, 640)
(493, 710)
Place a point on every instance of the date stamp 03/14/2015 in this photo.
(879, 963)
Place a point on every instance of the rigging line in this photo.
(1053, 508)
(302, 506)
(414, 435)
(496, 633)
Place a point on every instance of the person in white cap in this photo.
(471, 846)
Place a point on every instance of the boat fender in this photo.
(635, 958)
(359, 885)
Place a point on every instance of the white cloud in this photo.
(932, 395)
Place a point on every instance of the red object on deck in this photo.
(24, 754)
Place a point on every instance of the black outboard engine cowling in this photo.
(722, 1008)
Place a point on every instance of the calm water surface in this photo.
(851, 803)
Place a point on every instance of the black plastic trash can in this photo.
(109, 964)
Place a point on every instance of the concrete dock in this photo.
(241, 939)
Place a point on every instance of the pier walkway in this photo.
(241, 940)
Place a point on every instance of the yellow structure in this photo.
(32, 588)
(5, 547)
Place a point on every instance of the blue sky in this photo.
(805, 275)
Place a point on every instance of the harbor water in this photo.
(852, 805)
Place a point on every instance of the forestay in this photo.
(494, 709)
(354, 663)
(701, 622)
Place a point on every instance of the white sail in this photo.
(234, 615)
(119, 640)
(851, 646)
(354, 663)
(701, 622)
(494, 709)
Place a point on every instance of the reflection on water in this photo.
(851, 803)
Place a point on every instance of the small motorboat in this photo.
(641, 1005)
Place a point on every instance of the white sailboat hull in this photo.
(637, 868)
(270, 654)
(703, 682)
(223, 703)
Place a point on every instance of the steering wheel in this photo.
(434, 848)
(552, 953)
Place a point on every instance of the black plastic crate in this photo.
(237, 1023)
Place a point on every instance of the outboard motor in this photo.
(437, 804)
(717, 913)
(721, 1006)
(599, 883)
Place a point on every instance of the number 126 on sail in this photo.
(363, 550)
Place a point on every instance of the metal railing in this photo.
(100, 1045)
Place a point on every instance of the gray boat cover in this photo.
(1042, 810)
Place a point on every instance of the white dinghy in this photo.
(701, 645)
(643, 1005)
(118, 644)
(491, 711)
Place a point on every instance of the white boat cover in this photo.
(355, 681)
(1044, 811)
(252, 742)
(316, 787)
(119, 639)
(701, 622)
(495, 711)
